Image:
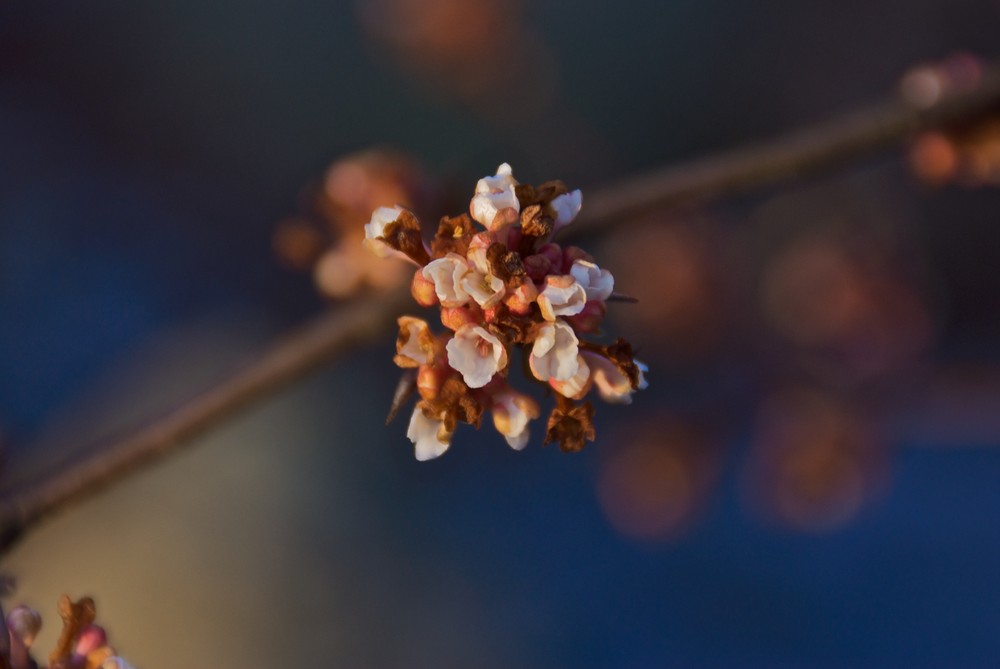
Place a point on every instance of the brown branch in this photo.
(808, 150)
(796, 154)
(287, 360)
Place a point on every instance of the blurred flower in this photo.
(852, 307)
(328, 239)
(815, 459)
(655, 484)
(471, 50)
(669, 268)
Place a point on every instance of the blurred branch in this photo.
(796, 154)
(287, 360)
(811, 149)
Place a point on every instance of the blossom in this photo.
(480, 283)
(554, 353)
(375, 231)
(485, 289)
(566, 207)
(430, 438)
(447, 274)
(577, 385)
(562, 296)
(496, 196)
(597, 283)
(511, 413)
(415, 343)
(476, 354)
(612, 383)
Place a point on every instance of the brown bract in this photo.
(510, 328)
(455, 403)
(571, 425)
(453, 236)
(75, 616)
(403, 235)
(536, 221)
(506, 265)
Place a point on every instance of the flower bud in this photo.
(90, 639)
(455, 317)
(589, 320)
(538, 267)
(571, 255)
(430, 378)
(554, 253)
(422, 289)
(25, 623)
(520, 299)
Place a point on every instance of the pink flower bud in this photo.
(554, 253)
(422, 289)
(430, 378)
(538, 267)
(590, 319)
(571, 255)
(91, 638)
(455, 317)
(519, 300)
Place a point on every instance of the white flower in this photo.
(554, 354)
(374, 229)
(429, 437)
(447, 274)
(577, 385)
(597, 283)
(511, 413)
(562, 296)
(495, 195)
(643, 368)
(476, 354)
(611, 382)
(566, 207)
(415, 344)
(485, 289)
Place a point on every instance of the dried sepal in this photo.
(570, 425)
(75, 616)
(405, 388)
(453, 235)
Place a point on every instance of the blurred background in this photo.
(811, 479)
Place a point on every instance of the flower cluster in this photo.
(81, 643)
(503, 287)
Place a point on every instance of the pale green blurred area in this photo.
(263, 543)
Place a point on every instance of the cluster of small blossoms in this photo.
(81, 643)
(503, 287)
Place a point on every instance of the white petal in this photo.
(554, 353)
(562, 296)
(424, 433)
(598, 283)
(566, 206)
(476, 354)
(447, 274)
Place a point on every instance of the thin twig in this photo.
(796, 154)
(811, 149)
(287, 360)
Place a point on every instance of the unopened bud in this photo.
(520, 299)
(455, 317)
(572, 254)
(422, 289)
(25, 623)
(589, 320)
(91, 638)
(538, 267)
(430, 378)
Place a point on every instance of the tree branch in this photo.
(808, 150)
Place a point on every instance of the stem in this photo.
(287, 360)
(796, 154)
